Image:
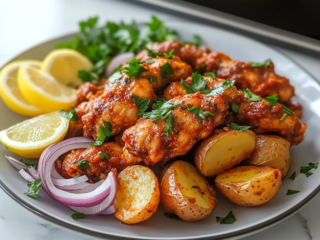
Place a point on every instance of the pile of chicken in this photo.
(146, 140)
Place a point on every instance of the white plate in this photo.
(249, 220)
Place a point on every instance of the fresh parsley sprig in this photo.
(210, 74)
(272, 100)
(83, 165)
(72, 115)
(229, 219)
(197, 84)
(237, 127)
(266, 63)
(103, 134)
(143, 104)
(199, 112)
(34, 188)
(157, 54)
(166, 69)
(222, 87)
(87, 76)
(234, 107)
(250, 95)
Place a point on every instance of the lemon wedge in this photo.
(29, 138)
(11, 93)
(64, 64)
(43, 91)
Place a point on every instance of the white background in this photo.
(25, 23)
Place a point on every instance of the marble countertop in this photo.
(25, 23)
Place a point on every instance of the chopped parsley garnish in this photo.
(156, 54)
(272, 100)
(293, 176)
(210, 74)
(104, 155)
(83, 165)
(114, 77)
(172, 215)
(291, 192)
(200, 69)
(306, 170)
(143, 104)
(199, 112)
(158, 102)
(34, 188)
(166, 69)
(188, 90)
(103, 134)
(287, 111)
(234, 107)
(76, 216)
(250, 95)
(266, 63)
(86, 76)
(222, 87)
(153, 79)
(229, 219)
(237, 127)
(168, 127)
(133, 69)
(72, 115)
(197, 84)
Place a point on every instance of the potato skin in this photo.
(249, 185)
(223, 150)
(138, 194)
(270, 151)
(177, 196)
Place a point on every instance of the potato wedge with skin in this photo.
(270, 151)
(185, 192)
(249, 185)
(223, 150)
(138, 194)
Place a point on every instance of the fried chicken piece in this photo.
(146, 141)
(259, 115)
(86, 90)
(262, 81)
(97, 167)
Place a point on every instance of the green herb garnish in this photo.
(234, 107)
(290, 192)
(86, 76)
(133, 69)
(200, 69)
(199, 112)
(229, 219)
(83, 165)
(222, 87)
(72, 115)
(114, 77)
(250, 95)
(157, 54)
(266, 63)
(272, 100)
(143, 104)
(104, 155)
(306, 170)
(286, 109)
(34, 188)
(103, 134)
(168, 127)
(76, 216)
(197, 84)
(153, 79)
(283, 117)
(158, 102)
(210, 74)
(293, 176)
(237, 127)
(166, 69)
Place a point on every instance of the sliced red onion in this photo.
(109, 211)
(14, 162)
(72, 199)
(26, 175)
(69, 181)
(85, 187)
(34, 173)
(116, 61)
(106, 204)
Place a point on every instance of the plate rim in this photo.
(87, 232)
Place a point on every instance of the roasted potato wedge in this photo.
(186, 193)
(270, 151)
(138, 194)
(249, 185)
(223, 150)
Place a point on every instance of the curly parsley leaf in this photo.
(87, 76)
(166, 69)
(266, 63)
(250, 95)
(272, 100)
(76, 216)
(222, 87)
(134, 69)
(229, 219)
(237, 127)
(72, 115)
(103, 134)
(198, 83)
(83, 165)
(104, 155)
(293, 176)
(291, 192)
(143, 104)
(34, 188)
(210, 74)
(234, 107)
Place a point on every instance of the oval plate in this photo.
(249, 220)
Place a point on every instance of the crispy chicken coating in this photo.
(97, 167)
(145, 141)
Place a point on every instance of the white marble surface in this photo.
(26, 23)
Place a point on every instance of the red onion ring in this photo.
(103, 206)
(69, 181)
(14, 162)
(116, 61)
(109, 211)
(26, 175)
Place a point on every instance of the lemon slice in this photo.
(43, 91)
(64, 64)
(11, 93)
(29, 138)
